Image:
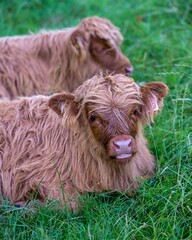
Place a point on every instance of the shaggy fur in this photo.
(52, 61)
(62, 145)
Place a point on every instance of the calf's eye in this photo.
(135, 112)
(92, 118)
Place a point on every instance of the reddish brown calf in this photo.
(53, 61)
(72, 143)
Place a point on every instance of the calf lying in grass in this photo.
(72, 143)
(52, 61)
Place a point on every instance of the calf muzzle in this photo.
(122, 147)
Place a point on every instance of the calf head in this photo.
(97, 42)
(111, 111)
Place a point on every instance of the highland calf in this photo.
(72, 143)
(49, 62)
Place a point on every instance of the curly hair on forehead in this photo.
(107, 89)
(102, 28)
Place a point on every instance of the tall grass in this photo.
(158, 42)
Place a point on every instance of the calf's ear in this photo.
(153, 94)
(61, 101)
(98, 45)
(79, 43)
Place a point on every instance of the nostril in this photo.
(129, 69)
(129, 143)
(115, 144)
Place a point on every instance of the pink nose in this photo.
(128, 70)
(122, 145)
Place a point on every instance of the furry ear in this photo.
(103, 53)
(99, 46)
(79, 42)
(60, 101)
(153, 94)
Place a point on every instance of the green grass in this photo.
(158, 38)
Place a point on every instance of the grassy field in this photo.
(158, 40)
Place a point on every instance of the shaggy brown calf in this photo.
(88, 141)
(60, 60)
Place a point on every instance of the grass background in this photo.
(158, 41)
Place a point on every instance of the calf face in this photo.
(109, 57)
(111, 112)
(98, 41)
